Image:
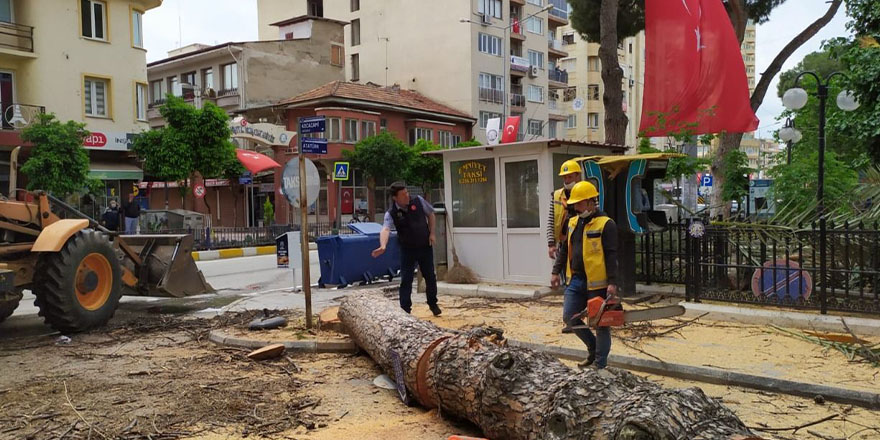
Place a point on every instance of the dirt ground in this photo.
(157, 377)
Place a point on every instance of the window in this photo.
(315, 8)
(334, 127)
(551, 129)
(630, 48)
(96, 97)
(536, 127)
(569, 94)
(137, 28)
(208, 78)
(94, 19)
(174, 86)
(535, 25)
(444, 138)
(593, 120)
(489, 44)
(522, 207)
(230, 77)
(355, 68)
(368, 128)
(140, 101)
(189, 78)
(485, 116)
(593, 64)
(351, 131)
(491, 88)
(383, 124)
(491, 8)
(536, 93)
(337, 55)
(572, 121)
(473, 193)
(355, 5)
(536, 58)
(156, 91)
(568, 38)
(569, 65)
(355, 32)
(418, 133)
(593, 92)
(536, 2)
(456, 139)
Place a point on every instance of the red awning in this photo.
(255, 162)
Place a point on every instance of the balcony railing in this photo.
(517, 100)
(555, 45)
(558, 76)
(553, 104)
(157, 103)
(16, 36)
(519, 63)
(227, 92)
(560, 9)
(17, 116)
(491, 95)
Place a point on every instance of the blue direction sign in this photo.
(707, 180)
(315, 124)
(314, 146)
(340, 170)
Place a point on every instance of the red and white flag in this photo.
(511, 129)
(695, 77)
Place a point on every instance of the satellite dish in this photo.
(578, 104)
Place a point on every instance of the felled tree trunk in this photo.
(514, 393)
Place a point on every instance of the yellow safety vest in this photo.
(593, 253)
(560, 213)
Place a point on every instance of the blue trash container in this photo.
(346, 259)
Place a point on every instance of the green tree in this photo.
(471, 143)
(424, 171)
(58, 162)
(736, 168)
(268, 213)
(794, 185)
(382, 156)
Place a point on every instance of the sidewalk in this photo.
(220, 254)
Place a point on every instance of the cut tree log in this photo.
(514, 393)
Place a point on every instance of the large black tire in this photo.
(78, 288)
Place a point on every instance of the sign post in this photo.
(340, 174)
(314, 146)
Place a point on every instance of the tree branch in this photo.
(793, 45)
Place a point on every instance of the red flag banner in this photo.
(695, 78)
(511, 129)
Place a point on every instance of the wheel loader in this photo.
(77, 269)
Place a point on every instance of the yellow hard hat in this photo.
(582, 191)
(569, 167)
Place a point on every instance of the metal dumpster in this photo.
(346, 259)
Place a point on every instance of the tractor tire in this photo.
(8, 306)
(78, 288)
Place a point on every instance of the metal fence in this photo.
(222, 237)
(661, 257)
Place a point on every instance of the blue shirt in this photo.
(388, 223)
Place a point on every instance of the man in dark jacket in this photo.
(110, 218)
(413, 218)
(131, 210)
(589, 257)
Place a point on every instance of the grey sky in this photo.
(219, 21)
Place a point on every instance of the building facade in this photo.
(83, 60)
(487, 58)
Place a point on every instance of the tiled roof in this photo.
(376, 94)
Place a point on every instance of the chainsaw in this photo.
(601, 312)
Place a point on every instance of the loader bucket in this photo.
(168, 268)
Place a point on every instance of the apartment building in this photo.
(581, 102)
(748, 54)
(83, 60)
(488, 58)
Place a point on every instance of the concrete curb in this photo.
(485, 291)
(220, 254)
(784, 318)
(717, 376)
(307, 346)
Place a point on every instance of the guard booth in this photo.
(498, 198)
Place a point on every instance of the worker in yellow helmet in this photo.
(560, 212)
(589, 258)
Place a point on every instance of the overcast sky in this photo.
(182, 22)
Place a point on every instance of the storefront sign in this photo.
(261, 132)
(109, 141)
(267, 187)
(472, 172)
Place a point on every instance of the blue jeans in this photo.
(575, 301)
(131, 225)
(424, 256)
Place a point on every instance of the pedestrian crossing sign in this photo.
(340, 171)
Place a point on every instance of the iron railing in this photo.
(558, 76)
(17, 36)
(15, 116)
(223, 237)
(661, 257)
(517, 100)
(491, 95)
(227, 92)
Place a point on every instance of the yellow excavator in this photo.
(79, 270)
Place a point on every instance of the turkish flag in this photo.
(511, 129)
(695, 78)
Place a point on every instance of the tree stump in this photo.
(518, 394)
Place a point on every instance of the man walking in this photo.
(110, 218)
(413, 218)
(589, 257)
(131, 210)
(560, 212)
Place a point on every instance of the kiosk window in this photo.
(473, 193)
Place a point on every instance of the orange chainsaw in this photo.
(601, 312)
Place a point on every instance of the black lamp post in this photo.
(790, 136)
(795, 99)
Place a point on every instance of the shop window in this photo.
(473, 194)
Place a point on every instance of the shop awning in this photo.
(115, 171)
(255, 162)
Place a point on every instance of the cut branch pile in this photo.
(854, 348)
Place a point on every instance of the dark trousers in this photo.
(424, 256)
(575, 300)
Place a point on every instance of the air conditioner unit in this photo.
(533, 72)
(485, 19)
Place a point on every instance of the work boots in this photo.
(435, 309)
(591, 357)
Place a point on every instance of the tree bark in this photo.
(731, 141)
(514, 393)
(612, 75)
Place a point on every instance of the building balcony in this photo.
(518, 2)
(554, 49)
(16, 116)
(517, 102)
(556, 111)
(517, 32)
(557, 78)
(491, 95)
(16, 39)
(558, 16)
(519, 66)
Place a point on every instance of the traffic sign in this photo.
(246, 178)
(315, 124)
(199, 190)
(340, 170)
(314, 146)
(707, 180)
(290, 182)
